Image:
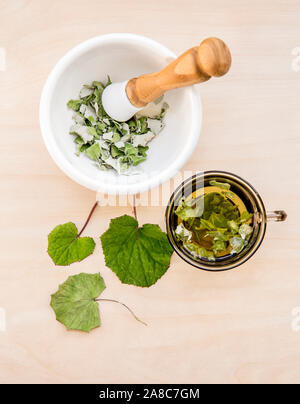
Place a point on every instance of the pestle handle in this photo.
(211, 59)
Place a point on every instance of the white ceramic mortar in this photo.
(122, 56)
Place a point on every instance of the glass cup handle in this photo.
(276, 216)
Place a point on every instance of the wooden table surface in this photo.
(233, 327)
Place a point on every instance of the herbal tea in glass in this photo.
(213, 222)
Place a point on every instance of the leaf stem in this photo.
(116, 301)
(134, 208)
(135, 216)
(88, 219)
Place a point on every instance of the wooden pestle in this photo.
(211, 59)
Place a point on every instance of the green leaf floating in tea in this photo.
(65, 247)
(213, 225)
(74, 303)
(138, 256)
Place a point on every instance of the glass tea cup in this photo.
(250, 198)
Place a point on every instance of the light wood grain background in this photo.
(232, 327)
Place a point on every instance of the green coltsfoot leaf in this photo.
(74, 303)
(138, 256)
(65, 247)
